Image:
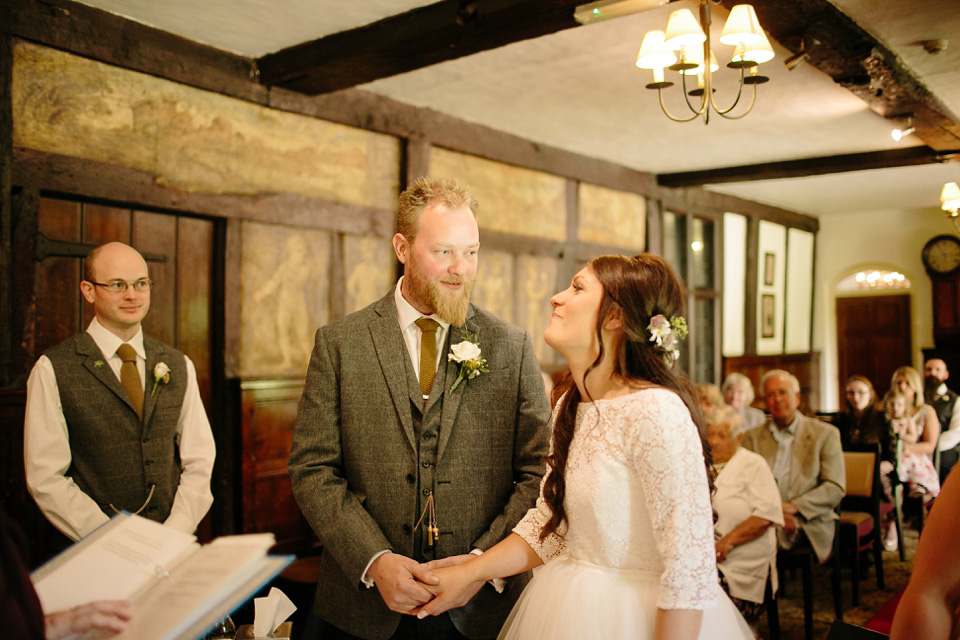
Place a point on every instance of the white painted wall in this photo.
(849, 243)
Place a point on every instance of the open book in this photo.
(178, 588)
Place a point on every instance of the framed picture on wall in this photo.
(769, 262)
(767, 313)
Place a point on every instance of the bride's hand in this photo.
(456, 587)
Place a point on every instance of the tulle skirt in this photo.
(573, 599)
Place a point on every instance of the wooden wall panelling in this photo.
(233, 297)
(101, 180)
(268, 412)
(156, 233)
(58, 308)
(7, 334)
(194, 294)
(805, 366)
(22, 280)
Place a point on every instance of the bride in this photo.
(624, 524)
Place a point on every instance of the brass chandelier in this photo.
(685, 45)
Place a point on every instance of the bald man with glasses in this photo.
(114, 420)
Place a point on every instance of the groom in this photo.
(396, 460)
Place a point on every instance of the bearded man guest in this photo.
(114, 420)
(420, 436)
(944, 402)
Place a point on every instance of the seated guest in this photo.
(710, 397)
(738, 392)
(915, 470)
(807, 463)
(862, 422)
(944, 402)
(930, 607)
(907, 380)
(747, 502)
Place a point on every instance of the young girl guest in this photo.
(624, 522)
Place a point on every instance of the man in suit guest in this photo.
(392, 470)
(944, 402)
(99, 439)
(807, 462)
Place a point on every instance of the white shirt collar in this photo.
(790, 430)
(408, 314)
(110, 342)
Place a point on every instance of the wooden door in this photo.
(873, 338)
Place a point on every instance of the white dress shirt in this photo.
(781, 464)
(47, 454)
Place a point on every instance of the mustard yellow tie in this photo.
(428, 353)
(130, 377)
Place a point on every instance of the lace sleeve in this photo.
(532, 524)
(662, 441)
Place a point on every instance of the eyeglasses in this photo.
(120, 286)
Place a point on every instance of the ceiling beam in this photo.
(854, 59)
(418, 38)
(810, 167)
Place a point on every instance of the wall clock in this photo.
(941, 254)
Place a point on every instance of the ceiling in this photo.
(577, 89)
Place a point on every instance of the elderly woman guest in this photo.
(738, 392)
(710, 397)
(747, 502)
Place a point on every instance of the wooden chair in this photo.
(861, 526)
(803, 557)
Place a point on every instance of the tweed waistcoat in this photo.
(944, 408)
(116, 457)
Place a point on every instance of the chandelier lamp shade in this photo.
(684, 46)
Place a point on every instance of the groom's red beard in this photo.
(451, 306)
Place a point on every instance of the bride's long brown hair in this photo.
(641, 287)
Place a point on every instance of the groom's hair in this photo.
(423, 192)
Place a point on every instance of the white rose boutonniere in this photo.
(161, 373)
(467, 353)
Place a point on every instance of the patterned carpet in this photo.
(896, 574)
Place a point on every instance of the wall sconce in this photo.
(950, 198)
(901, 132)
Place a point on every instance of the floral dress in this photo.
(640, 530)
(916, 469)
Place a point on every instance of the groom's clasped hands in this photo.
(427, 589)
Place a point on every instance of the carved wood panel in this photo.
(268, 412)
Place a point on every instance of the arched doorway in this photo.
(873, 326)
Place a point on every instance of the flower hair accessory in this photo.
(161, 373)
(667, 335)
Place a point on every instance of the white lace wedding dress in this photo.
(639, 534)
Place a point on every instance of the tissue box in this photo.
(245, 632)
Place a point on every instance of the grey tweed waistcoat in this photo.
(117, 457)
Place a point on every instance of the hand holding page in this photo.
(178, 588)
(117, 562)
